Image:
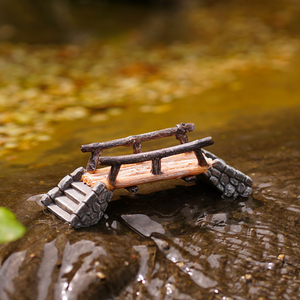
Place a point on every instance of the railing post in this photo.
(182, 138)
(137, 147)
(201, 159)
(113, 173)
(156, 166)
(181, 133)
(94, 160)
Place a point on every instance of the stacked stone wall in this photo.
(229, 181)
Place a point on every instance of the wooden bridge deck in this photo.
(172, 167)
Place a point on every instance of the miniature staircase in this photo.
(77, 203)
(69, 202)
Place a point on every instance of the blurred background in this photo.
(89, 60)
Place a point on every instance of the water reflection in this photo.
(8, 272)
(181, 233)
(46, 269)
(185, 265)
(80, 267)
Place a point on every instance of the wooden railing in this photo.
(155, 156)
(96, 149)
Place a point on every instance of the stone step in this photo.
(59, 212)
(74, 195)
(81, 187)
(66, 204)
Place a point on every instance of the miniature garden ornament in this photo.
(81, 198)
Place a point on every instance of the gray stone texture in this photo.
(220, 187)
(229, 190)
(46, 200)
(234, 181)
(81, 210)
(55, 192)
(229, 181)
(209, 154)
(75, 202)
(247, 192)
(241, 188)
(215, 172)
(207, 173)
(236, 194)
(109, 196)
(230, 171)
(77, 174)
(103, 206)
(65, 182)
(75, 222)
(90, 198)
(248, 181)
(214, 180)
(99, 187)
(220, 165)
(86, 221)
(240, 176)
(96, 207)
(224, 179)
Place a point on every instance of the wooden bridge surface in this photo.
(172, 167)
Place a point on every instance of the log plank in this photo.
(179, 130)
(172, 167)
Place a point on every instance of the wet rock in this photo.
(143, 224)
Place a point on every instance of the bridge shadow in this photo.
(174, 211)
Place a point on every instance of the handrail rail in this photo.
(96, 149)
(164, 152)
(156, 155)
(179, 130)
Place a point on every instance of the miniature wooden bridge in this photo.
(128, 171)
(81, 198)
